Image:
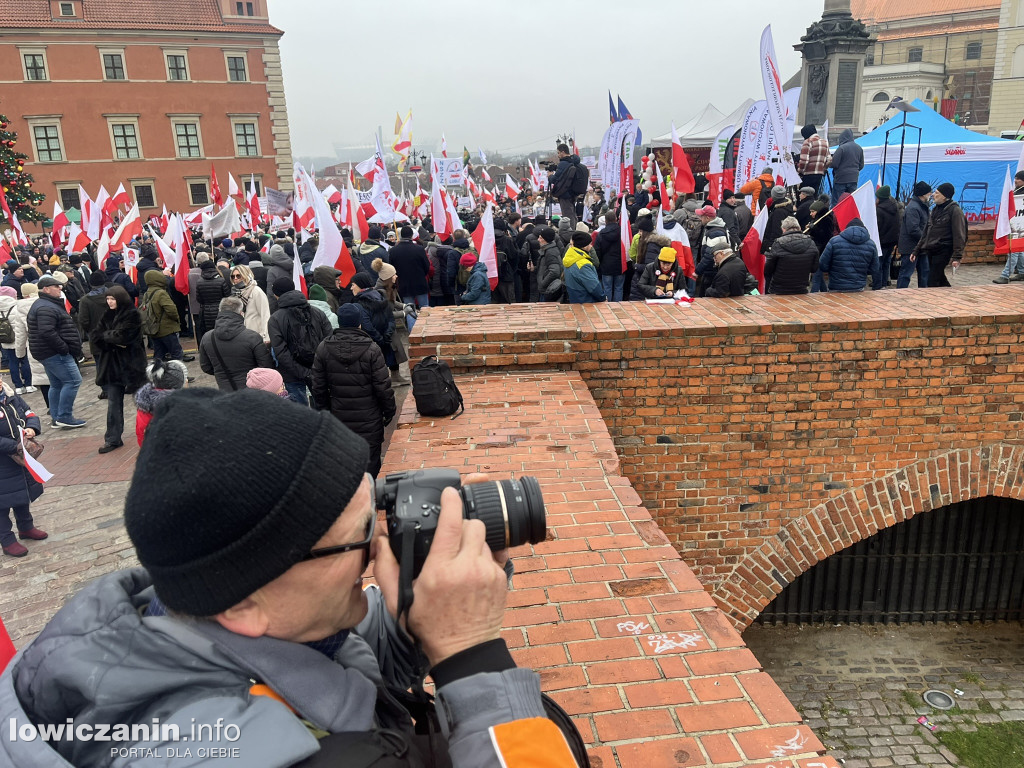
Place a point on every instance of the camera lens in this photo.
(511, 510)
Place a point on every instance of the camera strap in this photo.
(405, 566)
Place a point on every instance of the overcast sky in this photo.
(509, 76)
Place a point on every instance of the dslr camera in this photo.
(511, 510)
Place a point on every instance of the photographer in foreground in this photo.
(250, 611)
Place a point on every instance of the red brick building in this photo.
(148, 94)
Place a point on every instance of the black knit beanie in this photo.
(209, 541)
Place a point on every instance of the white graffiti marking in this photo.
(795, 744)
(676, 640)
(633, 627)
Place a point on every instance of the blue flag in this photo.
(625, 115)
(613, 116)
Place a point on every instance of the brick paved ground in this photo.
(859, 687)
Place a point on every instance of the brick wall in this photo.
(980, 248)
(765, 433)
(623, 635)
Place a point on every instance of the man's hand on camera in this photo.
(459, 597)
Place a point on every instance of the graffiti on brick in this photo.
(795, 744)
(674, 641)
(633, 627)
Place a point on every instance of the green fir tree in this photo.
(17, 184)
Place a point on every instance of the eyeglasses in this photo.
(371, 524)
(236, 276)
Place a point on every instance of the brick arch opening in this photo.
(995, 469)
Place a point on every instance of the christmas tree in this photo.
(16, 183)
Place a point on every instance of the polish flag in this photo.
(453, 212)
(18, 231)
(78, 241)
(682, 175)
(40, 473)
(485, 175)
(333, 194)
(120, 198)
(105, 202)
(483, 239)
(131, 226)
(666, 204)
(255, 214)
(356, 218)
(90, 217)
(512, 189)
(331, 250)
(298, 279)
(164, 220)
(303, 212)
(438, 210)
(233, 190)
(1005, 242)
(681, 242)
(103, 249)
(60, 219)
(6, 647)
(534, 178)
(165, 245)
(218, 198)
(625, 236)
(859, 205)
(181, 263)
(104, 211)
(444, 146)
(751, 248)
(4, 206)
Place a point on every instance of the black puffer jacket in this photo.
(790, 263)
(773, 230)
(51, 331)
(378, 318)
(122, 348)
(729, 279)
(241, 350)
(888, 214)
(609, 250)
(91, 309)
(210, 289)
(550, 269)
(296, 328)
(351, 380)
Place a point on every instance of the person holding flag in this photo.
(18, 486)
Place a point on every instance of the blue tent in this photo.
(972, 162)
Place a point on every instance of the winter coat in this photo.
(847, 160)
(210, 289)
(646, 285)
(915, 219)
(773, 229)
(377, 318)
(803, 211)
(12, 282)
(294, 326)
(281, 265)
(727, 213)
(729, 279)
(259, 274)
(144, 266)
(241, 349)
(91, 310)
(549, 270)
(714, 234)
(19, 318)
(888, 215)
(255, 308)
(563, 234)
(790, 263)
(564, 176)
(51, 331)
(323, 306)
(758, 189)
(17, 486)
(437, 255)
(102, 659)
(946, 232)
(608, 249)
(582, 284)
(451, 272)
(822, 229)
(115, 276)
(327, 278)
(651, 250)
(412, 265)
(161, 304)
(352, 381)
(478, 289)
(849, 258)
(368, 251)
(122, 349)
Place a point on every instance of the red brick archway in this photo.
(996, 469)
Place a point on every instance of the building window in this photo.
(198, 193)
(248, 185)
(915, 54)
(236, 69)
(239, 8)
(1017, 67)
(126, 141)
(67, 9)
(177, 69)
(35, 66)
(187, 138)
(244, 9)
(973, 51)
(113, 66)
(869, 59)
(881, 96)
(144, 194)
(249, 10)
(69, 199)
(47, 144)
(245, 140)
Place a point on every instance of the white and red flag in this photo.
(106, 210)
(131, 227)
(438, 210)
(1009, 238)
(484, 174)
(233, 190)
(356, 218)
(682, 174)
(483, 239)
(218, 198)
(666, 204)
(298, 279)
(625, 236)
(681, 242)
(534, 178)
(776, 106)
(859, 205)
(403, 139)
(90, 217)
(373, 166)
(512, 189)
(120, 198)
(302, 207)
(78, 240)
(444, 146)
(751, 248)
(5, 208)
(333, 194)
(255, 214)
(331, 250)
(60, 219)
(453, 212)
(40, 473)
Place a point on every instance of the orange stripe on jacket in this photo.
(533, 743)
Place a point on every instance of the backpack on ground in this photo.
(150, 320)
(434, 389)
(6, 328)
(580, 180)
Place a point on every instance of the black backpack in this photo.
(580, 180)
(6, 329)
(304, 347)
(434, 388)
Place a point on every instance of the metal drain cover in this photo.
(938, 700)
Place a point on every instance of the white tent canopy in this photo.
(701, 130)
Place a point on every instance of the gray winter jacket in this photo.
(281, 265)
(101, 660)
(847, 160)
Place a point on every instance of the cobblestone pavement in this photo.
(859, 687)
(82, 505)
